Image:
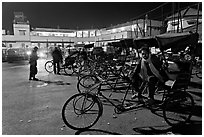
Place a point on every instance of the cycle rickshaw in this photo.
(83, 110)
(69, 66)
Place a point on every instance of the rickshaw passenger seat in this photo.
(181, 82)
(169, 83)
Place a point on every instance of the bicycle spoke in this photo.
(178, 109)
(81, 111)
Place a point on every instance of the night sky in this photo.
(73, 15)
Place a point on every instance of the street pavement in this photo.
(34, 107)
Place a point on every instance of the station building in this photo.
(26, 37)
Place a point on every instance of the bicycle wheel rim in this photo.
(199, 75)
(83, 71)
(86, 82)
(178, 109)
(49, 66)
(81, 111)
(76, 68)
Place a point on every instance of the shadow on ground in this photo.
(95, 132)
(59, 82)
(194, 128)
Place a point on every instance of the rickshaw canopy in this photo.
(148, 41)
(124, 43)
(115, 44)
(175, 41)
(127, 43)
(79, 45)
(89, 45)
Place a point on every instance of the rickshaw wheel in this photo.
(178, 108)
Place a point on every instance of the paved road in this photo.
(34, 107)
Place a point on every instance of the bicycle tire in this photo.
(178, 108)
(86, 82)
(198, 70)
(199, 75)
(49, 66)
(76, 68)
(83, 71)
(79, 108)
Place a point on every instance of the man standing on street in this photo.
(57, 58)
(33, 64)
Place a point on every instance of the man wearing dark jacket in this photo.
(33, 64)
(148, 69)
(57, 58)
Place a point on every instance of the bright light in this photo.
(114, 30)
(41, 54)
(122, 28)
(28, 52)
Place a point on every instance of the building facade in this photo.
(26, 37)
(186, 20)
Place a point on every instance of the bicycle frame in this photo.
(120, 106)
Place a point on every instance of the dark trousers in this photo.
(152, 86)
(56, 67)
(137, 81)
(33, 71)
(152, 81)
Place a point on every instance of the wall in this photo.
(106, 34)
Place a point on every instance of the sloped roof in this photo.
(186, 13)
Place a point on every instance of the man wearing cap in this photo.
(33, 64)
